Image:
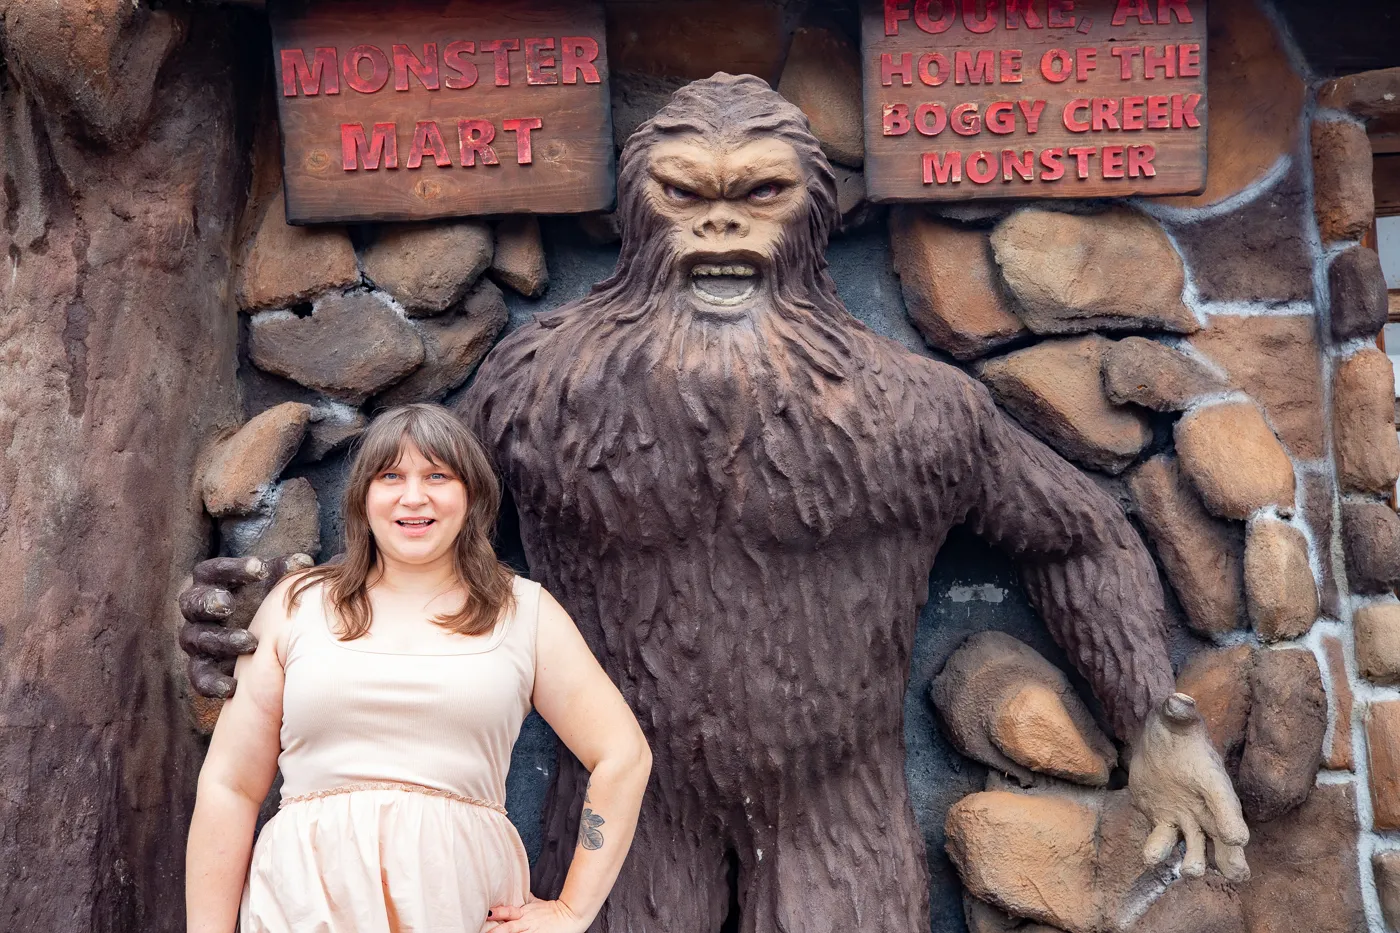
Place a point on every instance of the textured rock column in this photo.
(123, 173)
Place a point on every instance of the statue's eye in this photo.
(680, 194)
(765, 192)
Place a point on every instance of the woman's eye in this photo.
(764, 192)
(437, 476)
(389, 476)
(680, 194)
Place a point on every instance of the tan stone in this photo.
(951, 287)
(428, 267)
(1317, 492)
(242, 469)
(1357, 293)
(1304, 864)
(1256, 98)
(1370, 95)
(1383, 754)
(1363, 423)
(1278, 580)
(1209, 904)
(518, 260)
(1233, 460)
(1377, 631)
(1144, 372)
(1201, 554)
(1343, 194)
(1283, 742)
(822, 77)
(284, 265)
(1110, 271)
(1339, 755)
(293, 525)
(1218, 679)
(1007, 707)
(853, 210)
(1055, 389)
(1277, 360)
(331, 429)
(453, 345)
(1387, 868)
(1371, 543)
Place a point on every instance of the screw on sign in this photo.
(1033, 98)
(374, 93)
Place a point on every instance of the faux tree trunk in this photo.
(123, 156)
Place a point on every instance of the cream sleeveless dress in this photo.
(394, 783)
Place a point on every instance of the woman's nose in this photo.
(413, 493)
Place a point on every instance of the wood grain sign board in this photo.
(415, 109)
(970, 99)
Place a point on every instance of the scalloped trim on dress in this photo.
(394, 785)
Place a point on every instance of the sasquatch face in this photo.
(726, 207)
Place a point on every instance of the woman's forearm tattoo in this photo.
(589, 835)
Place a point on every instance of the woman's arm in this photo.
(580, 703)
(237, 774)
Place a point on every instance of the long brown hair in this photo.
(446, 441)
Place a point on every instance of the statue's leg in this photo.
(840, 855)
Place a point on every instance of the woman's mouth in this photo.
(415, 527)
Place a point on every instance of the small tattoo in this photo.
(586, 788)
(589, 836)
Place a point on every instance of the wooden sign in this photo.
(412, 109)
(1033, 98)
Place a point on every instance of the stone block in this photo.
(952, 290)
(1233, 460)
(692, 39)
(1386, 865)
(1056, 391)
(1371, 542)
(1363, 423)
(1278, 361)
(1370, 95)
(518, 259)
(243, 468)
(453, 344)
(1209, 904)
(1110, 271)
(636, 98)
(1339, 756)
(284, 265)
(1343, 195)
(1256, 99)
(1278, 580)
(1383, 754)
(1356, 284)
(1007, 707)
(332, 428)
(853, 210)
(822, 77)
(1218, 679)
(1304, 865)
(428, 267)
(1201, 554)
(1151, 374)
(349, 347)
(1318, 494)
(292, 525)
(1283, 742)
(1377, 632)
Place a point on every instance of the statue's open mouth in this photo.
(725, 285)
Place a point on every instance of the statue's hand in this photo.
(217, 608)
(1179, 782)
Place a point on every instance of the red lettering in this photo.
(1010, 66)
(1052, 163)
(985, 23)
(454, 56)
(927, 75)
(576, 56)
(921, 119)
(356, 151)
(1023, 10)
(427, 140)
(501, 49)
(965, 120)
(1105, 114)
(1082, 154)
(378, 69)
(888, 69)
(1140, 161)
(1189, 64)
(1151, 61)
(1168, 8)
(1072, 122)
(1133, 113)
(1001, 117)
(1031, 110)
(1184, 111)
(322, 74)
(947, 9)
(1024, 166)
(896, 120)
(1112, 161)
(521, 127)
(474, 137)
(1128, 8)
(1125, 55)
(965, 71)
(539, 57)
(1055, 65)
(1085, 61)
(425, 69)
(942, 170)
(986, 173)
(1158, 117)
(894, 12)
(1060, 16)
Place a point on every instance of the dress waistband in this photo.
(394, 785)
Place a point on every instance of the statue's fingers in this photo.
(1160, 843)
(1230, 860)
(288, 563)
(208, 679)
(231, 571)
(206, 604)
(1193, 865)
(1224, 819)
(207, 640)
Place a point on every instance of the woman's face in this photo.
(416, 509)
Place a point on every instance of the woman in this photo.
(389, 688)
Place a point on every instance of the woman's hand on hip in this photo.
(537, 917)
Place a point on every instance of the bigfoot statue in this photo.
(738, 491)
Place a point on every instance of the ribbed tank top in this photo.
(442, 721)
